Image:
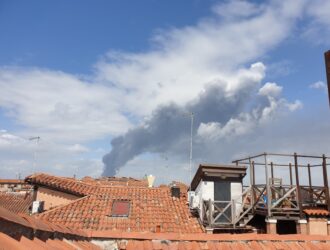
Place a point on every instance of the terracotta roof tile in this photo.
(9, 243)
(68, 185)
(11, 181)
(16, 202)
(82, 187)
(316, 212)
(12, 217)
(30, 244)
(149, 208)
(223, 245)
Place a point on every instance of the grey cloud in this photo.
(168, 127)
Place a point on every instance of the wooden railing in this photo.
(254, 199)
(227, 212)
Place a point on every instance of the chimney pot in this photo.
(175, 191)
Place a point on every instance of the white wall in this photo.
(204, 191)
(236, 194)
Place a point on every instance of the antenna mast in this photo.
(191, 147)
(36, 138)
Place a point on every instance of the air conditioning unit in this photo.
(193, 200)
(38, 207)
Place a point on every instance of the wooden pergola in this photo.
(286, 201)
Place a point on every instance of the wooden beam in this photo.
(290, 167)
(326, 185)
(269, 197)
(327, 69)
(298, 187)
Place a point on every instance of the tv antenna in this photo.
(36, 139)
(191, 114)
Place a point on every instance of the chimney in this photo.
(327, 69)
(150, 179)
(175, 191)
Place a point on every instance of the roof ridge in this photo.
(62, 206)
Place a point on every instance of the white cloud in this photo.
(318, 30)
(318, 85)
(67, 110)
(237, 9)
(60, 106)
(270, 89)
(78, 148)
(188, 58)
(17, 156)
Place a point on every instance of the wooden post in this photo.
(251, 180)
(254, 174)
(233, 212)
(310, 182)
(253, 186)
(325, 179)
(272, 171)
(290, 167)
(309, 175)
(210, 217)
(299, 202)
(269, 201)
(327, 70)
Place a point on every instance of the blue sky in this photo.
(83, 31)
(97, 78)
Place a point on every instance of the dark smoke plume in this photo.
(169, 125)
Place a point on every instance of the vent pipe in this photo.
(175, 191)
(151, 180)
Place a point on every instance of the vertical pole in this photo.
(272, 172)
(325, 179)
(290, 167)
(233, 212)
(191, 147)
(310, 182)
(210, 213)
(253, 172)
(327, 70)
(299, 202)
(251, 181)
(267, 188)
(309, 176)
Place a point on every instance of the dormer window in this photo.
(120, 208)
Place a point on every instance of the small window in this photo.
(120, 208)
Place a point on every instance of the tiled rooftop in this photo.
(316, 212)
(37, 223)
(83, 187)
(16, 202)
(68, 185)
(11, 181)
(212, 245)
(149, 208)
(24, 243)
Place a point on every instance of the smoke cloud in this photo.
(220, 103)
